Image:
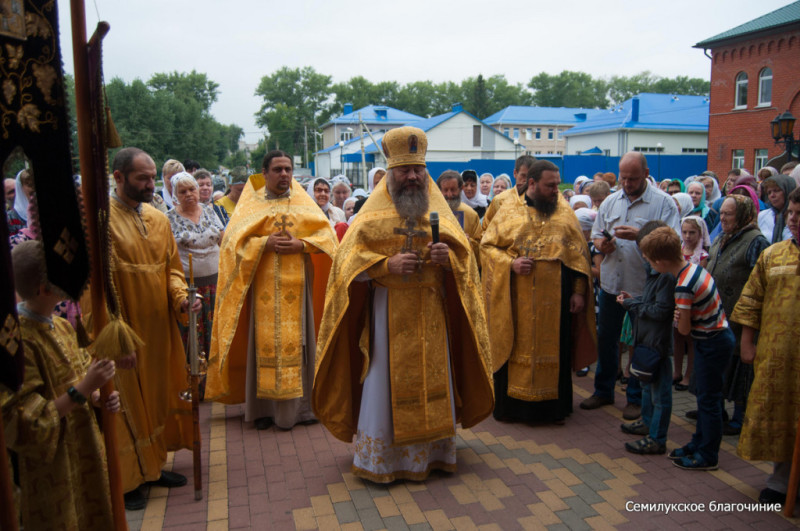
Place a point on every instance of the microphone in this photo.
(435, 227)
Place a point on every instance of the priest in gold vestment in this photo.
(274, 262)
(148, 277)
(537, 276)
(403, 353)
(768, 308)
(451, 183)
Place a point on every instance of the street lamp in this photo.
(783, 132)
(516, 148)
(341, 156)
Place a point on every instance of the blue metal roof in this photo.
(655, 112)
(376, 114)
(786, 15)
(525, 115)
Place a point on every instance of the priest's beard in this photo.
(543, 205)
(410, 202)
(454, 203)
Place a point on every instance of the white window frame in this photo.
(764, 76)
(550, 134)
(737, 158)
(741, 83)
(528, 134)
(538, 133)
(760, 156)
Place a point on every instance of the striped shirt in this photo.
(697, 292)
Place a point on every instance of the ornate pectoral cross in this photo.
(525, 246)
(408, 247)
(283, 224)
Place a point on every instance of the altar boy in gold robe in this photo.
(49, 421)
(403, 352)
(538, 289)
(274, 263)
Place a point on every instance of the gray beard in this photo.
(454, 203)
(411, 204)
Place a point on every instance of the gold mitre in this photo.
(404, 146)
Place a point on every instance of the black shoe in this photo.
(731, 429)
(169, 480)
(582, 372)
(691, 414)
(264, 423)
(771, 496)
(635, 428)
(646, 446)
(681, 387)
(135, 500)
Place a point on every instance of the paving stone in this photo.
(370, 519)
(345, 512)
(500, 451)
(395, 523)
(587, 494)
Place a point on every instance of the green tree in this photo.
(194, 86)
(484, 97)
(621, 88)
(568, 89)
(169, 117)
(292, 99)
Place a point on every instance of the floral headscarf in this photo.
(745, 216)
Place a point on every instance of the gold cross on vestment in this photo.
(283, 224)
(528, 247)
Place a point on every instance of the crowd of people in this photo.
(393, 314)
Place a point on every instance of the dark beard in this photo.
(409, 203)
(142, 196)
(544, 206)
(454, 203)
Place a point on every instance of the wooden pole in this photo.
(8, 516)
(794, 476)
(88, 184)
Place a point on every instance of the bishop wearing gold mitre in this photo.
(403, 350)
(537, 279)
(274, 262)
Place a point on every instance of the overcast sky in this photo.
(237, 42)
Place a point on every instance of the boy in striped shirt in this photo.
(698, 310)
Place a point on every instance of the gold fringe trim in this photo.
(403, 474)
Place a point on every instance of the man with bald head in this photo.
(149, 282)
(618, 221)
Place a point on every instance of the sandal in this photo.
(694, 462)
(646, 446)
(681, 387)
(680, 453)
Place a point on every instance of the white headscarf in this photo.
(360, 192)
(586, 217)
(20, 200)
(578, 182)
(585, 199)
(685, 203)
(371, 177)
(310, 190)
(480, 200)
(795, 175)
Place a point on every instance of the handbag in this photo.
(645, 363)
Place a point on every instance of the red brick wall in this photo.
(749, 129)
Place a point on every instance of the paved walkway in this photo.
(510, 476)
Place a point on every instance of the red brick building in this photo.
(755, 75)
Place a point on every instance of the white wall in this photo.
(603, 140)
(620, 142)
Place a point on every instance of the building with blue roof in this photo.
(454, 139)
(650, 123)
(539, 130)
(378, 118)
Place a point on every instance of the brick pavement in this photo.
(510, 476)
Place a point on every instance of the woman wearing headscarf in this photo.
(712, 188)
(731, 259)
(697, 191)
(579, 181)
(320, 190)
(198, 231)
(340, 190)
(772, 220)
(18, 216)
(374, 177)
(580, 201)
(471, 194)
(485, 184)
(684, 202)
(742, 190)
(501, 183)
